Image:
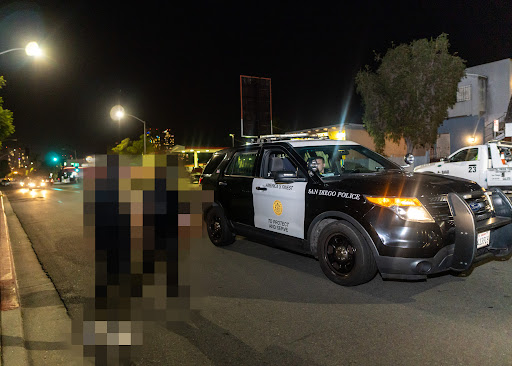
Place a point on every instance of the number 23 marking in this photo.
(472, 169)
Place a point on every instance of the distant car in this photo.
(34, 182)
(48, 181)
(195, 174)
(5, 182)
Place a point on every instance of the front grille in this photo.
(440, 211)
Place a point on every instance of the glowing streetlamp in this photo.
(32, 49)
(117, 113)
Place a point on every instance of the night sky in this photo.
(178, 66)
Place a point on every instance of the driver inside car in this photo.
(320, 162)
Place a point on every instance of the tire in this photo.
(219, 232)
(344, 256)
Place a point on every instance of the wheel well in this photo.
(315, 233)
(206, 210)
(322, 221)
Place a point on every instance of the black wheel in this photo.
(344, 256)
(218, 228)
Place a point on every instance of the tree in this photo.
(6, 117)
(409, 95)
(121, 147)
(128, 147)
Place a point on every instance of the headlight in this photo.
(43, 184)
(409, 209)
(22, 184)
(31, 184)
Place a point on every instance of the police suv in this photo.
(353, 209)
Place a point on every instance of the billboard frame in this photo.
(242, 105)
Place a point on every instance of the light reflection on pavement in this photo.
(35, 193)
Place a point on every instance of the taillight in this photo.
(200, 180)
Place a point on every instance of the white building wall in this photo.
(498, 77)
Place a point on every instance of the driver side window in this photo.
(465, 155)
(458, 157)
(278, 161)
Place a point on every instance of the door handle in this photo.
(261, 188)
(223, 184)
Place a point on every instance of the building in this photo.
(18, 158)
(162, 141)
(167, 139)
(483, 96)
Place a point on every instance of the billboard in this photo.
(255, 106)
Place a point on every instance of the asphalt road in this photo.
(266, 306)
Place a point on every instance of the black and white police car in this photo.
(353, 209)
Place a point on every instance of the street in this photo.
(267, 306)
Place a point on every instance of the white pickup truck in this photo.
(488, 165)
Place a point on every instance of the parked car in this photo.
(355, 211)
(195, 175)
(5, 182)
(489, 165)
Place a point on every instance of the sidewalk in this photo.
(35, 328)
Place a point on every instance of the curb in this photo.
(38, 332)
(13, 351)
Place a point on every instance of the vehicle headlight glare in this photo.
(407, 208)
(413, 213)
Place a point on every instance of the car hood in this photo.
(396, 183)
(428, 167)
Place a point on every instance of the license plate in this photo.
(483, 239)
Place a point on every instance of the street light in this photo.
(232, 139)
(117, 112)
(32, 49)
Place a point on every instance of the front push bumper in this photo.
(460, 255)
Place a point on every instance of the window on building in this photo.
(464, 93)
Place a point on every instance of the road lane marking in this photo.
(65, 190)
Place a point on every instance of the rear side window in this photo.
(242, 164)
(213, 163)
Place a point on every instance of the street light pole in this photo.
(117, 112)
(232, 139)
(32, 49)
(12, 49)
(144, 122)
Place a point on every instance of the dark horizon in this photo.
(179, 67)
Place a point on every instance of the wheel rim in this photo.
(216, 228)
(340, 255)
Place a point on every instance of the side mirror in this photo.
(443, 159)
(409, 159)
(287, 177)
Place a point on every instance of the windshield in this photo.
(334, 160)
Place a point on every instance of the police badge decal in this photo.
(278, 207)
